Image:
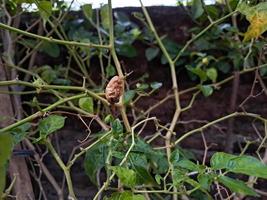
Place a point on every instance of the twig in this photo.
(51, 39)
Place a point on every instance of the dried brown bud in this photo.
(114, 89)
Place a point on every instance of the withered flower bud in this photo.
(114, 89)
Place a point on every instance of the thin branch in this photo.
(51, 39)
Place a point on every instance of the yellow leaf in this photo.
(258, 25)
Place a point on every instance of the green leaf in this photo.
(237, 186)
(50, 124)
(125, 196)
(206, 90)
(104, 13)
(117, 127)
(263, 71)
(50, 49)
(205, 180)
(45, 9)
(151, 53)
(6, 147)
(87, 11)
(197, 9)
(126, 50)
(155, 85)
(95, 159)
(143, 176)
(110, 71)
(175, 157)
(171, 46)
(220, 160)
(87, 104)
(2, 179)
(158, 178)
(49, 75)
(128, 96)
(158, 160)
(20, 132)
(223, 66)
(212, 74)
(29, 43)
(108, 119)
(239, 164)
(142, 86)
(126, 176)
(198, 71)
(137, 159)
(187, 164)
(178, 176)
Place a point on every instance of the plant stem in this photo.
(200, 34)
(40, 113)
(76, 156)
(120, 105)
(235, 114)
(50, 39)
(174, 87)
(56, 87)
(63, 167)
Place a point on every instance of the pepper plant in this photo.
(117, 159)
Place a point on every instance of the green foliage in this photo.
(237, 186)
(197, 9)
(87, 104)
(206, 57)
(48, 48)
(151, 53)
(105, 20)
(49, 125)
(2, 179)
(6, 147)
(117, 127)
(212, 74)
(87, 11)
(20, 132)
(126, 50)
(110, 71)
(95, 159)
(45, 9)
(206, 90)
(125, 196)
(239, 164)
(128, 96)
(155, 85)
(157, 159)
(205, 180)
(126, 176)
